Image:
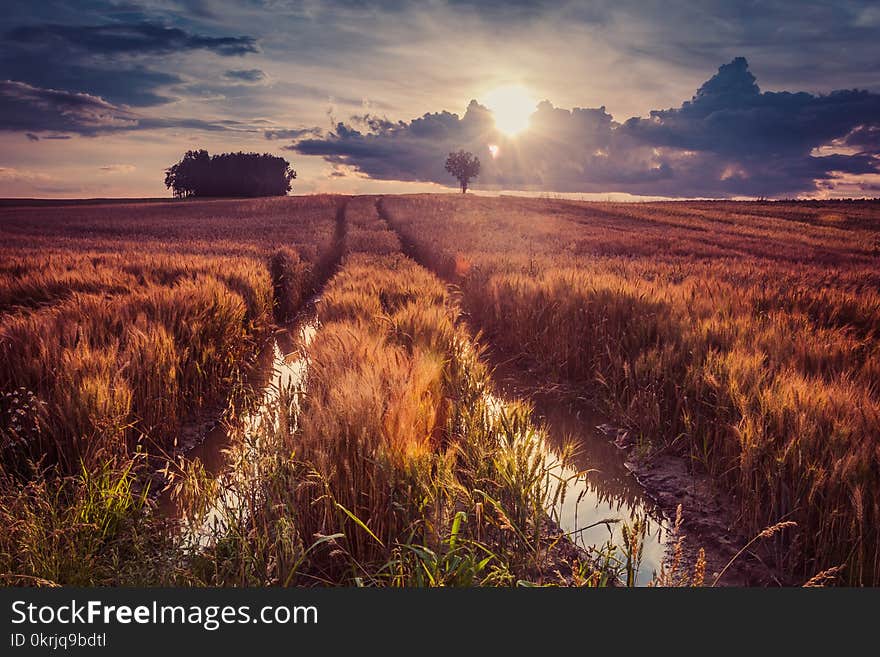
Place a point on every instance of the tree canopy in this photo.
(464, 166)
(229, 174)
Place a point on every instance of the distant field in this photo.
(743, 337)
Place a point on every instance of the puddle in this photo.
(280, 370)
(608, 490)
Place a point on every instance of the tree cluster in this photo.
(229, 174)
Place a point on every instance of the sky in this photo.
(617, 98)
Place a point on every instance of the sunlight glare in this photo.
(512, 107)
(493, 150)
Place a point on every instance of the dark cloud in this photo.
(245, 75)
(403, 151)
(228, 125)
(372, 122)
(130, 38)
(33, 110)
(200, 8)
(135, 85)
(32, 137)
(730, 116)
(821, 44)
(113, 60)
(729, 139)
(865, 137)
(296, 133)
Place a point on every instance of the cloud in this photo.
(131, 38)
(225, 125)
(32, 137)
(20, 182)
(730, 139)
(13, 174)
(296, 133)
(320, 93)
(245, 75)
(117, 61)
(729, 115)
(134, 85)
(865, 137)
(35, 109)
(117, 169)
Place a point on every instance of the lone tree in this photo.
(229, 174)
(464, 166)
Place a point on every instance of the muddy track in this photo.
(290, 347)
(446, 273)
(327, 266)
(709, 516)
(206, 436)
(324, 269)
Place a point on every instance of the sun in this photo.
(512, 106)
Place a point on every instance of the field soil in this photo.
(709, 520)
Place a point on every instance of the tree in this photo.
(190, 174)
(464, 166)
(229, 174)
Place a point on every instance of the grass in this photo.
(742, 335)
(86, 529)
(120, 338)
(119, 325)
(396, 467)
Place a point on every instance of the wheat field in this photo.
(740, 336)
(744, 336)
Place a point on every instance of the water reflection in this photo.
(279, 372)
(605, 489)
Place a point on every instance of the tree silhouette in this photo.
(229, 174)
(464, 166)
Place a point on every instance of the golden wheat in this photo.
(746, 335)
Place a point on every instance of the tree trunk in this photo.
(463, 186)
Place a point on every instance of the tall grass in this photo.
(119, 325)
(120, 349)
(742, 335)
(395, 467)
(90, 528)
